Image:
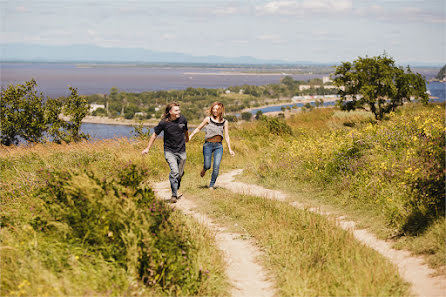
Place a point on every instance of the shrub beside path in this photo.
(411, 268)
(246, 276)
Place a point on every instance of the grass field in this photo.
(84, 217)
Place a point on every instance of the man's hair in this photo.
(222, 110)
(166, 114)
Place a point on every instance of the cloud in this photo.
(327, 5)
(269, 37)
(226, 11)
(168, 36)
(401, 15)
(300, 7)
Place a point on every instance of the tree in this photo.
(22, 114)
(442, 73)
(259, 114)
(375, 83)
(28, 116)
(76, 108)
(246, 116)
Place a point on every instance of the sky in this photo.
(304, 30)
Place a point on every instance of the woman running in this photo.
(216, 125)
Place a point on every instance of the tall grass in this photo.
(392, 171)
(81, 219)
(306, 254)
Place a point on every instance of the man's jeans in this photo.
(210, 148)
(176, 163)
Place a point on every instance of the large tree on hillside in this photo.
(378, 85)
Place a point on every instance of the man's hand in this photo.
(145, 151)
(231, 152)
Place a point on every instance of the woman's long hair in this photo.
(166, 114)
(221, 110)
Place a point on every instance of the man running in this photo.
(176, 135)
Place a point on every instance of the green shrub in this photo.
(246, 116)
(275, 126)
(119, 218)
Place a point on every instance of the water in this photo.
(101, 131)
(53, 79)
(437, 89)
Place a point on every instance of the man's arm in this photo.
(186, 134)
(151, 140)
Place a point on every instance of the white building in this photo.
(326, 79)
(94, 106)
(140, 113)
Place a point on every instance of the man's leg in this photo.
(181, 158)
(174, 172)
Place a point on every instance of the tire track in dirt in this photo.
(411, 268)
(246, 276)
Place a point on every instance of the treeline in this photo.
(194, 101)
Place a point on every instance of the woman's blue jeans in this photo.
(210, 148)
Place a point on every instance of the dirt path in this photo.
(411, 268)
(246, 276)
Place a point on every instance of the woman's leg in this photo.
(218, 154)
(207, 156)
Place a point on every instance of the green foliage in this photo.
(27, 115)
(81, 220)
(76, 108)
(274, 125)
(246, 116)
(376, 83)
(231, 118)
(120, 219)
(138, 131)
(259, 114)
(394, 168)
(442, 73)
(194, 101)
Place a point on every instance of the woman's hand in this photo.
(231, 152)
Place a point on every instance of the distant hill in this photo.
(89, 53)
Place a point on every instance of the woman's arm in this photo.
(204, 123)
(228, 141)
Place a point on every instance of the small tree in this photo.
(246, 116)
(259, 113)
(376, 84)
(76, 108)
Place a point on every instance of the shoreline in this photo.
(110, 121)
(121, 122)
